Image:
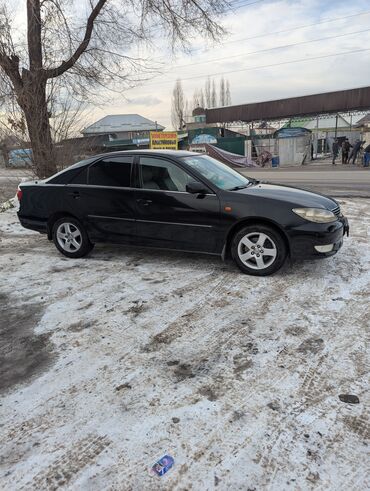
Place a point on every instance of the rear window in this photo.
(69, 174)
(64, 177)
(115, 172)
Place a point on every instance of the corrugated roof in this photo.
(115, 123)
(322, 123)
(325, 103)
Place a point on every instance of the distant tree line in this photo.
(205, 97)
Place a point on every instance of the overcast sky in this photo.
(264, 19)
(252, 28)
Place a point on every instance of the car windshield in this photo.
(217, 173)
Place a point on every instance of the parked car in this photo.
(22, 157)
(180, 200)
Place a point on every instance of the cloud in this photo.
(253, 29)
(146, 100)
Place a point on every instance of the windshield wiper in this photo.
(236, 188)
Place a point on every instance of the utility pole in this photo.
(316, 149)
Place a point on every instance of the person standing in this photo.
(335, 150)
(345, 151)
(354, 152)
(367, 156)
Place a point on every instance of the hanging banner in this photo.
(163, 140)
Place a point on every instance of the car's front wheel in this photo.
(258, 250)
(70, 238)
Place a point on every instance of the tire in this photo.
(70, 238)
(249, 246)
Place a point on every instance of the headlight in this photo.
(317, 215)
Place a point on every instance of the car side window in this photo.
(80, 177)
(113, 171)
(162, 174)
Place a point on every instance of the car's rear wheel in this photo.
(70, 238)
(258, 250)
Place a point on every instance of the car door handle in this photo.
(75, 194)
(144, 202)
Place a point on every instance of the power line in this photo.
(301, 60)
(277, 32)
(270, 49)
(324, 21)
(244, 5)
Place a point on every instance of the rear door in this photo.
(104, 195)
(167, 215)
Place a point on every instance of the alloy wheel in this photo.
(257, 250)
(69, 237)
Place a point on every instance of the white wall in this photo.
(292, 151)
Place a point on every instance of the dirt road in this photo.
(112, 361)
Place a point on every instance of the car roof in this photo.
(163, 153)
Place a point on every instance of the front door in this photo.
(170, 217)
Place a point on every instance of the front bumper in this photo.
(305, 239)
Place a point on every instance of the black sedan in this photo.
(184, 201)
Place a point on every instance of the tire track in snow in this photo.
(65, 468)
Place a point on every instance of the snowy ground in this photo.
(110, 362)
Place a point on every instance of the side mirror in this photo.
(195, 187)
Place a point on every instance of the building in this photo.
(263, 129)
(201, 134)
(15, 152)
(327, 115)
(325, 129)
(363, 125)
(123, 127)
(74, 149)
(198, 119)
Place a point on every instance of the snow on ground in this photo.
(112, 361)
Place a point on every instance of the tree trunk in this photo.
(34, 105)
(32, 97)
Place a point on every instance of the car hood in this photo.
(296, 196)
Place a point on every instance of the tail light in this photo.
(19, 194)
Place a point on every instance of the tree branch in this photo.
(66, 65)
(34, 34)
(9, 61)
(10, 65)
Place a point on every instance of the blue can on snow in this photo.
(163, 465)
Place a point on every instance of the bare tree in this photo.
(201, 99)
(67, 120)
(196, 98)
(222, 92)
(178, 106)
(228, 94)
(213, 95)
(67, 44)
(207, 93)
(4, 150)
(68, 117)
(187, 111)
